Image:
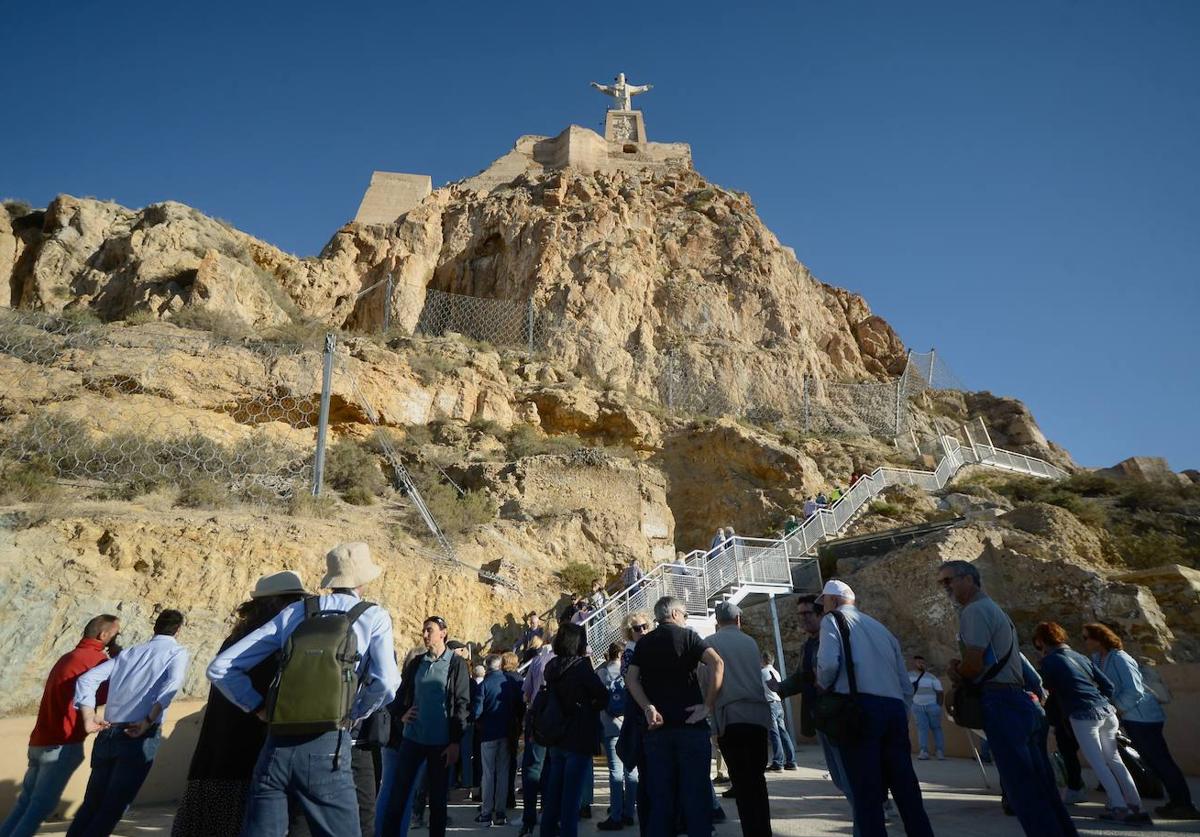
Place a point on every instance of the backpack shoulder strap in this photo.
(844, 630)
(358, 610)
(312, 606)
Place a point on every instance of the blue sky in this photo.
(1016, 184)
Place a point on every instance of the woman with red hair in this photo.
(1083, 692)
(1141, 716)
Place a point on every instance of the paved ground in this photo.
(804, 803)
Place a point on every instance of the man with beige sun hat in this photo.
(337, 665)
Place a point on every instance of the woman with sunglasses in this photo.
(636, 626)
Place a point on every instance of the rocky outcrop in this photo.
(1150, 469)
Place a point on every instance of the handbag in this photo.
(840, 716)
(966, 707)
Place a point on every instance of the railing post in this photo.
(932, 357)
(387, 304)
(787, 705)
(987, 435)
(323, 420)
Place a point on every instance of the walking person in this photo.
(662, 681)
(1014, 724)
(622, 778)
(494, 709)
(533, 628)
(743, 715)
(927, 697)
(509, 664)
(877, 759)
(142, 682)
(1083, 692)
(632, 574)
(717, 540)
(581, 695)
(56, 743)
(1142, 718)
(310, 708)
(783, 751)
(230, 739)
(428, 717)
(533, 759)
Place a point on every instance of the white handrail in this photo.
(765, 561)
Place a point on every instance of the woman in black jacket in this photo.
(581, 695)
(230, 739)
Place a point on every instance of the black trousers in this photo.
(366, 784)
(744, 747)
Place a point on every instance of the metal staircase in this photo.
(747, 570)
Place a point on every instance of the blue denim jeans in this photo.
(1015, 728)
(562, 792)
(622, 784)
(929, 719)
(391, 763)
(315, 772)
(783, 751)
(466, 759)
(879, 760)
(407, 760)
(49, 770)
(120, 765)
(677, 765)
(533, 766)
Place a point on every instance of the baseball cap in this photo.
(454, 645)
(727, 612)
(833, 587)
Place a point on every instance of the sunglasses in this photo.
(639, 629)
(437, 620)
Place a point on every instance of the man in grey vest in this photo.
(742, 716)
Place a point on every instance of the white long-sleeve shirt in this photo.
(878, 664)
(138, 678)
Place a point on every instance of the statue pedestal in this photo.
(625, 126)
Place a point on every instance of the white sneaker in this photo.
(941, 756)
(922, 756)
(1073, 797)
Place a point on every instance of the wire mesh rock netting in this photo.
(141, 408)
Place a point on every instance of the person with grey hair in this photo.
(742, 718)
(495, 711)
(663, 682)
(717, 540)
(991, 666)
(858, 656)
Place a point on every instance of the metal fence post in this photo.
(787, 704)
(387, 304)
(899, 387)
(932, 357)
(323, 421)
(529, 318)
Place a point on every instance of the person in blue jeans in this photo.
(783, 751)
(927, 697)
(428, 716)
(622, 779)
(663, 682)
(1014, 722)
(570, 678)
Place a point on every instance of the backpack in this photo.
(317, 679)
(617, 697)
(548, 719)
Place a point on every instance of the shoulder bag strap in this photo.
(312, 606)
(844, 630)
(1002, 662)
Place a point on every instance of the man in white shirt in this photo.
(142, 682)
(927, 700)
(783, 751)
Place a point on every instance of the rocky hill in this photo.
(161, 373)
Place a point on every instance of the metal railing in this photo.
(738, 562)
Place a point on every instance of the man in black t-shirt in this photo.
(663, 683)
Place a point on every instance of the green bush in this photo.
(454, 512)
(28, 482)
(525, 440)
(885, 509)
(349, 466)
(17, 208)
(359, 495)
(304, 504)
(219, 323)
(578, 577)
(486, 426)
(203, 493)
(431, 367)
(298, 334)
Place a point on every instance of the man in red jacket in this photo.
(56, 744)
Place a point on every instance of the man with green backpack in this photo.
(337, 664)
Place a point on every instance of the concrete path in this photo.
(802, 803)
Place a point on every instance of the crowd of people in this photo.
(314, 727)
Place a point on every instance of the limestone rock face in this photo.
(1152, 469)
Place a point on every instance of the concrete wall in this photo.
(390, 195)
(164, 785)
